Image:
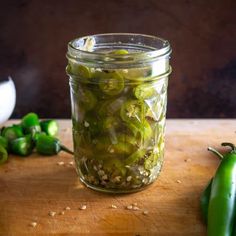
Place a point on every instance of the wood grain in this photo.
(31, 187)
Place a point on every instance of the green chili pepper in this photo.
(111, 83)
(22, 146)
(151, 160)
(133, 111)
(222, 204)
(30, 123)
(114, 165)
(3, 155)
(141, 130)
(119, 52)
(12, 132)
(4, 142)
(87, 99)
(50, 127)
(48, 145)
(126, 139)
(79, 70)
(204, 199)
(145, 91)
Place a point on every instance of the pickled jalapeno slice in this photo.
(119, 52)
(79, 70)
(111, 122)
(151, 160)
(144, 91)
(135, 157)
(87, 99)
(133, 111)
(111, 83)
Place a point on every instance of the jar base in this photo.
(114, 191)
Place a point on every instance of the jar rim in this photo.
(148, 48)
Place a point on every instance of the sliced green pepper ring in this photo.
(133, 111)
(140, 130)
(121, 148)
(79, 70)
(87, 99)
(137, 74)
(145, 91)
(110, 122)
(151, 160)
(111, 83)
(126, 139)
(114, 164)
(119, 52)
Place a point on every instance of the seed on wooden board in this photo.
(33, 224)
(52, 213)
(129, 207)
(135, 208)
(83, 207)
(67, 208)
(113, 206)
(145, 212)
(178, 181)
(60, 163)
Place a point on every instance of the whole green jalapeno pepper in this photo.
(48, 145)
(204, 200)
(205, 196)
(222, 204)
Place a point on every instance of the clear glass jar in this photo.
(118, 85)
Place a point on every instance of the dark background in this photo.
(202, 33)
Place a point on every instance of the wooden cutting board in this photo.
(32, 187)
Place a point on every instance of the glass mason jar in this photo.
(118, 85)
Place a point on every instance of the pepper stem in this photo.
(230, 145)
(65, 149)
(219, 155)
